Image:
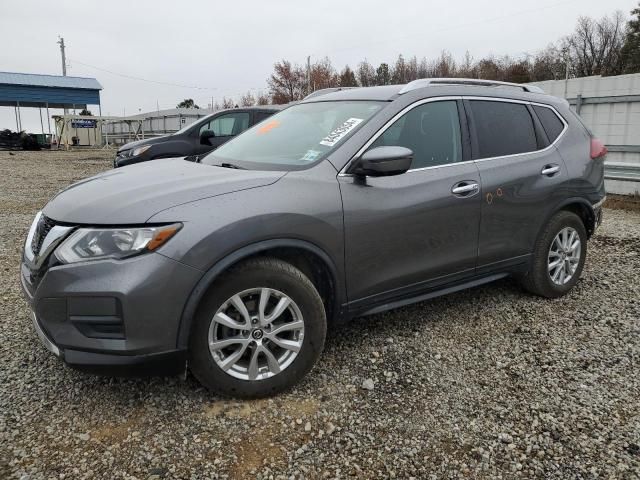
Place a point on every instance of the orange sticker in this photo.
(267, 127)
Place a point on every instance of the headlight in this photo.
(99, 243)
(140, 150)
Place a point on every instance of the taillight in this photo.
(598, 150)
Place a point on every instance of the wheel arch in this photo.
(312, 260)
(583, 209)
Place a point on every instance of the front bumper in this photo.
(118, 317)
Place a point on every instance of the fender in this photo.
(214, 272)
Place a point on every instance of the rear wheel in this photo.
(558, 256)
(259, 332)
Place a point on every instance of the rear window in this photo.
(552, 125)
(503, 128)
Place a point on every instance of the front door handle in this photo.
(550, 170)
(465, 188)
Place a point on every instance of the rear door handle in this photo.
(465, 188)
(550, 170)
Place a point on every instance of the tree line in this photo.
(606, 46)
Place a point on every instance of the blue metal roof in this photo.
(35, 80)
(54, 91)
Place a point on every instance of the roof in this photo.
(55, 81)
(391, 92)
(195, 112)
(383, 93)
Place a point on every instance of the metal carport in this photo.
(47, 91)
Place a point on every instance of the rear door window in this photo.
(260, 116)
(227, 125)
(502, 128)
(431, 131)
(552, 125)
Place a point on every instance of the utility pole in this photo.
(64, 63)
(308, 75)
(64, 57)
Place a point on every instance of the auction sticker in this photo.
(336, 135)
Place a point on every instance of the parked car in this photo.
(347, 204)
(197, 138)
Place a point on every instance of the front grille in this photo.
(42, 229)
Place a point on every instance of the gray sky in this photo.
(227, 48)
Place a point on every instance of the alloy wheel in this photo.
(256, 334)
(564, 256)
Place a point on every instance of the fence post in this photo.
(578, 103)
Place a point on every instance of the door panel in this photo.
(409, 228)
(521, 188)
(516, 199)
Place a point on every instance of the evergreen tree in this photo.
(631, 50)
(348, 78)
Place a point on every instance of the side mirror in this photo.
(206, 136)
(384, 161)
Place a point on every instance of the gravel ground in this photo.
(487, 383)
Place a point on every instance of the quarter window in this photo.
(502, 128)
(430, 130)
(552, 125)
(227, 125)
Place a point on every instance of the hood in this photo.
(134, 194)
(139, 143)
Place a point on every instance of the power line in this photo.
(131, 77)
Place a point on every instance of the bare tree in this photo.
(595, 46)
(287, 83)
(228, 103)
(412, 69)
(423, 68)
(399, 74)
(247, 100)
(548, 64)
(467, 69)
(323, 75)
(516, 71)
(489, 69)
(366, 74)
(263, 99)
(445, 65)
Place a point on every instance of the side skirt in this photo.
(428, 295)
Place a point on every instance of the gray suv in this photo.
(349, 203)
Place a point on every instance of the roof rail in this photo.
(324, 91)
(426, 82)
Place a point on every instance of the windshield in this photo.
(189, 126)
(296, 137)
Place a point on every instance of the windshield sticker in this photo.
(310, 156)
(267, 127)
(337, 135)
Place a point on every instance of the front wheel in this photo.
(558, 257)
(260, 330)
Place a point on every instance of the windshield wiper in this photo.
(231, 165)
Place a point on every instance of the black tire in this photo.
(257, 273)
(537, 280)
